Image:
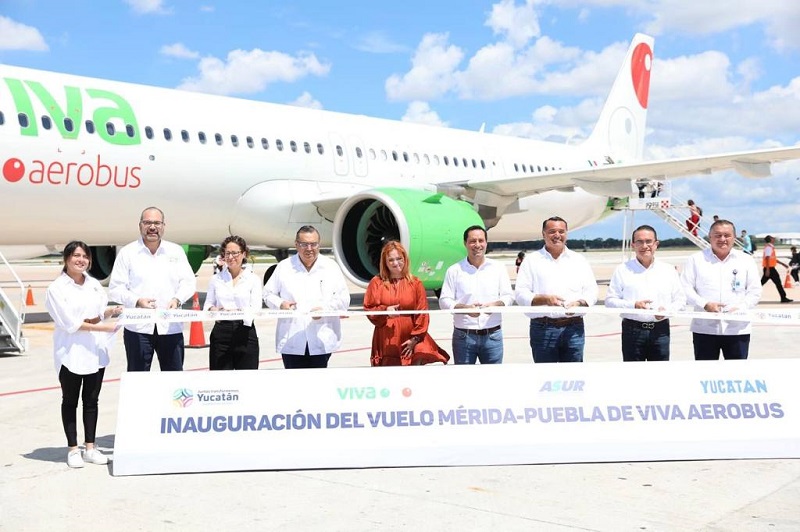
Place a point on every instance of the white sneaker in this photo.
(93, 456)
(74, 458)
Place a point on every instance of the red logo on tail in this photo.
(641, 63)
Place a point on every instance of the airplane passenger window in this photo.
(130, 131)
(320, 149)
(185, 135)
(446, 161)
(46, 123)
(89, 127)
(234, 140)
(383, 155)
(293, 145)
(250, 142)
(416, 157)
(474, 164)
(405, 156)
(279, 144)
(339, 151)
(516, 167)
(264, 143)
(23, 119)
(218, 139)
(525, 168)
(483, 164)
(539, 168)
(148, 132)
(394, 155)
(359, 153)
(464, 160)
(426, 159)
(201, 137)
(307, 147)
(372, 154)
(167, 133)
(436, 160)
(455, 161)
(110, 128)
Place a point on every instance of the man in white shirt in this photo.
(648, 284)
(307, 281)
(719, 280)
(152, 273)
(557, 277)
(477, 282)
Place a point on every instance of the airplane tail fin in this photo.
(619, 132)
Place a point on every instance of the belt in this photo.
(480, 332)
(560, 322)
(645, 324)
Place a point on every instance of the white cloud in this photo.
(306, 100)
(179, 51)
(246, 72)
(377, 42)
(431, 74)
(17, 36)
(146, 7)
(421, 113)
(519, 24)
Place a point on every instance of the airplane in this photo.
(82, 157)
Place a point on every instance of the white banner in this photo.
(456, 415)
(773, 316)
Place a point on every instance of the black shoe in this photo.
(786, 300)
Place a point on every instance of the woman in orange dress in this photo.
(402, 339)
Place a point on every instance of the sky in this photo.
(726, 75)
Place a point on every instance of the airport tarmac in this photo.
(38, 491)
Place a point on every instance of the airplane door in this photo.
(359, 156)
(340, 164)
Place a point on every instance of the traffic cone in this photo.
(788, 282)
(197, 338)
(29, 297)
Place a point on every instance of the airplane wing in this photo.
(615, 179)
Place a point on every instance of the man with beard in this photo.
(152, 273)
(556, 277)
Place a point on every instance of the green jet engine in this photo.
(429, 225)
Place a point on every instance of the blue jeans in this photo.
(648, 341)
(470, 347)
(552, 343)
(708, 346)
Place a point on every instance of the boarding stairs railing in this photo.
(12, 316)
(657, 198)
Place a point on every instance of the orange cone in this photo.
(788, 282)
(197, 338)
(29, 297)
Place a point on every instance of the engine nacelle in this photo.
(429, 225)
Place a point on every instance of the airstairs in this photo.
(11, 319)
(656, 197)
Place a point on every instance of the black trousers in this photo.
(771, 274)
(708, 346)
(233, 345)
(71, 384)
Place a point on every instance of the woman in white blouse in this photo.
(234, 343)
(79, 307)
